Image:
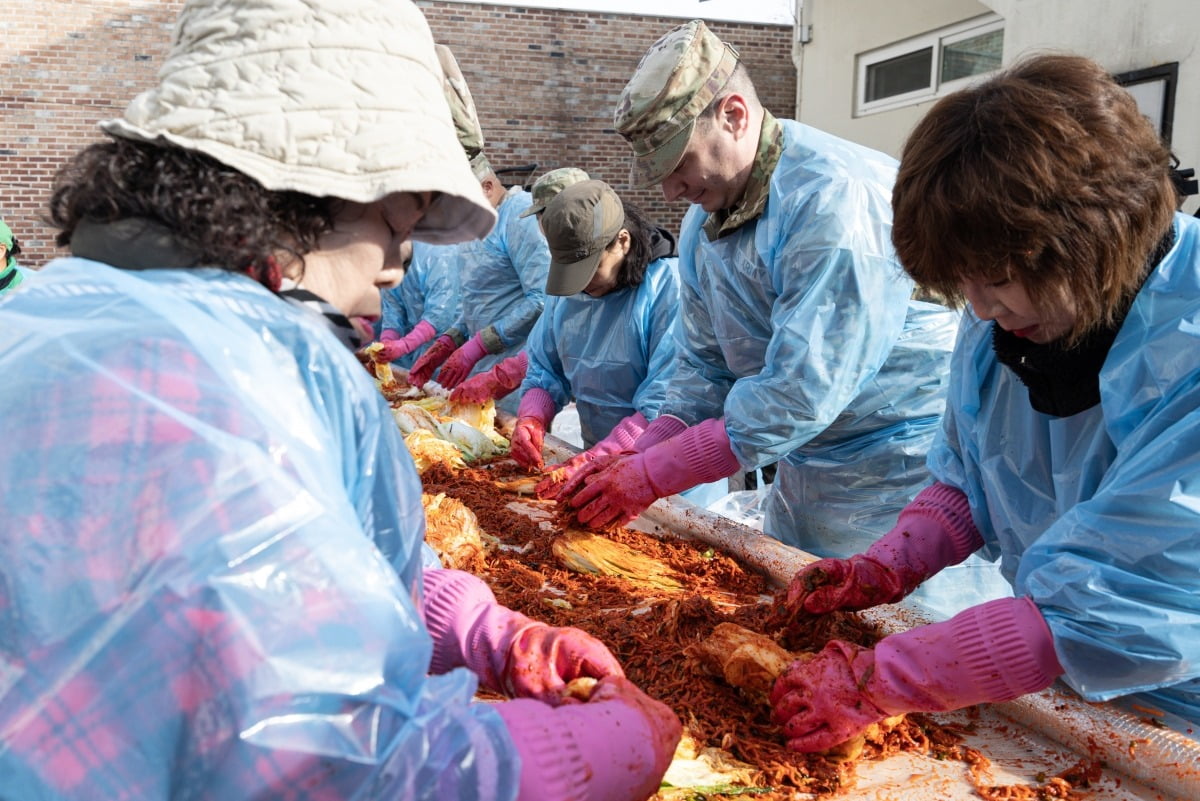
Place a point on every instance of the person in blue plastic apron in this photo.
(213, 579)
(502, 277)
(427, 301)
(1071, 443)
(605, 338)
(799, 337)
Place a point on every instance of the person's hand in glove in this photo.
(431, 359)
(992, 652)
(934, 531)
(508, 651)
(565, 478)
(493, 384)
(460, 363)
(623, 490)
(615, 747)
(396, 346)
(534, 416)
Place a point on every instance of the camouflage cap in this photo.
(579, 223)
(676, 79)
(545, 188)
(462, 111)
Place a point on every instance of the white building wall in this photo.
(1121, 35)
(840, 30)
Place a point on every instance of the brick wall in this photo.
(66, 65)
(545, 83)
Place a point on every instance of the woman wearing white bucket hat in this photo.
(212, 574)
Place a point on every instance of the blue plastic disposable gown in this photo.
(1096, 517)
(800, 329)
(209, 557)
(503, 279)
(429, 292)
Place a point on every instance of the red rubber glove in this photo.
(461, 362)
(525, 447)
(567, 477)
(396, 346)
(934, 531)
(493, 384)
(615, 747)
(534, 415)
(422, 371)
(507, 650)
(623, 490)
(992, 652)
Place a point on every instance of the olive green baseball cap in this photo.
(579, 223)
(545, 188)
(677, 78)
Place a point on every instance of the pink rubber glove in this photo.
(934, 531)
(992, 652)
(493, 384)
(508, 651)
(615, 747)
(396, 346)
(567, 477)
(422, 371)
(662, 428)
(623, 490)
(461, 362)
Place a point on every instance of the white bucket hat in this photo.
(338, 98)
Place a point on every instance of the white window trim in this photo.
(935, 40)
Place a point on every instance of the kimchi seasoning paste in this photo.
(649, 628)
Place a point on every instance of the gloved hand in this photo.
(493, 384)
(534, 415)
(623, 490)
(992, 652)
(396, 346)
(615, 747)
(934, 531)
(508, 651)
(422, 371)
(525, 446)
(566, 477)
(461, 362)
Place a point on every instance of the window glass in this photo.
(972, 56)
(896, 76)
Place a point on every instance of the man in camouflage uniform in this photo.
(799, 338)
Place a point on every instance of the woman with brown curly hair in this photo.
(1071, 443)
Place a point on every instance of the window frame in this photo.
(1166, 74)
(935, 40)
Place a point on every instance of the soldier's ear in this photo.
(733, 114)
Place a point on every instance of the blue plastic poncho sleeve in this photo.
(192, 600)
(394, 313)
(545, 369)
(530, 257)
(701, 376)
(436, 270)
